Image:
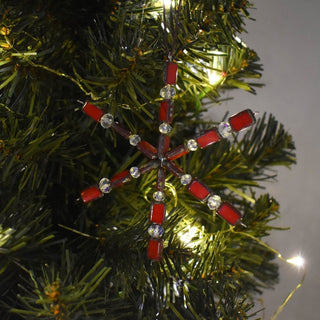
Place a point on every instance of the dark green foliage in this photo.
(61, 259)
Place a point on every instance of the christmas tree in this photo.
(179, 225)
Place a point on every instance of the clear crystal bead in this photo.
(214, 202)
(155, 231)
(167, 92)
(165, 128)
(134, 139)
(185, 179)
(106, 120)
(224, 129)
(105, 185)
(159, 196)
(192, 145)
(134, 171)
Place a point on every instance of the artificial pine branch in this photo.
(67, 260)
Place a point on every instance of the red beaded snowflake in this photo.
(161, 158)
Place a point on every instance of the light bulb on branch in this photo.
(216, 70)
(190, 236)
(297, 261)
(166, 3)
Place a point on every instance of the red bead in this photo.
(229, 213)
(120, 130)
(166, 111)
(163, 145)
(157, 212)
(147, 149)
(149, 166)
(178, 172)
(177, 152)
(155, 249)
(120, 178)
(92, 111)
(91, 194)
(208, 138)
(161, 179)
(199, 189)
(170, 74)
(242, 120)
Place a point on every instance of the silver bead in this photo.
(185, 179)
(105, 185)
(155, 231)
(106, 120)
(165, 128)
(167, 92)
(192, 145)
(159, 196)
(134, 171)
(134, 139)
(214, 202)
(224, 129)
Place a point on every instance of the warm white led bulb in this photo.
(298, 261)
(168, 3)
(188, 235)
(214, 76)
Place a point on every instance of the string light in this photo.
(216, 70)
(214, 77)
(297, 261)
(168, 3)
(186, 236)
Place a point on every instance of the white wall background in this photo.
(286, 37)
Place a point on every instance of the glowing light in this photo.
(168, 3)
(188, 235)
(298, 261)
(214, 77)
(216, 72)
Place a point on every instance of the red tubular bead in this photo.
(157, 212)
(120, 178)
(155, 249)
(166, 111)
(208, 138)
(199, 190)
(161, 179)
(163, 145)
(149, 166)
(92, 111)
(170, 74)
(91, 194)
(177, 152)
(120, 130)
(147, 149)
(242, 120)
(177, 171)
(229, 213)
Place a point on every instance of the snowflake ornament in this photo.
(161, 158)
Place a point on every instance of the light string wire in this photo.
(26, 55)
(290, 295)
(279, 256)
